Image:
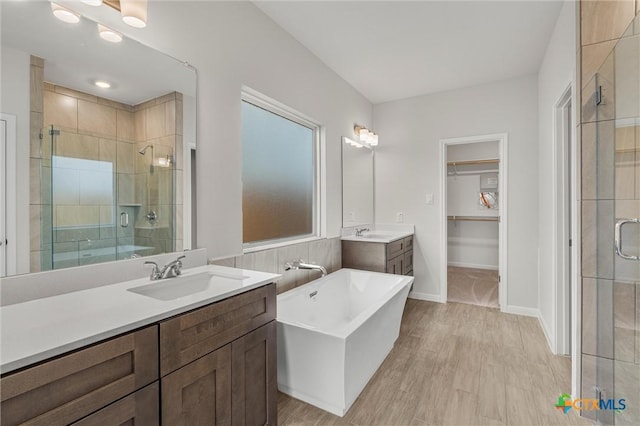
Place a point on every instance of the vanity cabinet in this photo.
(220, 362)
(213, 365)
(66, 389)
(395, 257)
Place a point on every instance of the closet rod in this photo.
(469, 162)
(475, 218)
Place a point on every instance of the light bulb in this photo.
(103, 84)
(64, 14)
(93, 2)
(134, 12)
(108, 34)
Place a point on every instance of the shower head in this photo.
(144, 150)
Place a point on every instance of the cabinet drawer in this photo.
(192, 335)
(394, 248)
(408, 262)
(69, 388)
(408, 244)
(141, 408)
(394, 266)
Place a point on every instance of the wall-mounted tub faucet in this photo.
(300, 264)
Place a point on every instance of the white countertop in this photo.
(378, 236)
(43, 328)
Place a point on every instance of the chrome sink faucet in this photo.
(171, 269)
(359, 231)
(300, 264)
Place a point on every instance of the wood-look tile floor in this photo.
(456, 364)
(471, 285)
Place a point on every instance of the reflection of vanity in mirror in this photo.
(99, 174)
(357, 184)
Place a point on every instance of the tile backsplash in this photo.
(324, 252)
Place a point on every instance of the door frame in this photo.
(10, 193)
(502, 139)
(564, 260)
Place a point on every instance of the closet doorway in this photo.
(473, 237)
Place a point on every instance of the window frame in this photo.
(271, 105)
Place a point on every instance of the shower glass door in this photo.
(82, 180)
(611, 236)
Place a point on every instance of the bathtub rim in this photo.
(345, 330)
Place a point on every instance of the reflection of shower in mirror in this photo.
(144, 150)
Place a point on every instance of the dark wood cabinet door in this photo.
(141, 408)
(255, 387)
(66, 389)
(189, 336)
(200, 392)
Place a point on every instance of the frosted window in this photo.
(278, 176)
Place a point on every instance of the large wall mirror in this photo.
(106, 167)
(357, 184)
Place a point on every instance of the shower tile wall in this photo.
(95, 128)
(39, 162)
(610, 168)
(158, 122)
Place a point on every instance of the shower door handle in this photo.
(124, 219)
(618, 238)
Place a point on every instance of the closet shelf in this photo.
(475, 218)
(470, 162)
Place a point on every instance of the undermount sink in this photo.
(186, 285)
(375, 236)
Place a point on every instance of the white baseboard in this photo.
(473, 265)
(426, 296)
(521, 310)
(547, 334)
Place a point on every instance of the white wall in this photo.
(234, 44)
(407, 168)
(557, 72)
(14, 90)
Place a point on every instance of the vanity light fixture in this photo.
(108, 34)
(365, 135)
(93, 2)
(103, 84)
(352, 142)
(134, 12)
(64, 14)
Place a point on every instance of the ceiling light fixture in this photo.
(365, 135)
(134, 12)
(64, 14)
(103, 84)
(108, 34)
(93, 2)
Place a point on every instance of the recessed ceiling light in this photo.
(103, 84)
(109, 35)
(92, 2)
(64, 14)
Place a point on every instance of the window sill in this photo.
(268, 246)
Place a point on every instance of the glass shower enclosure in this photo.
(611, 236)
(103, 199)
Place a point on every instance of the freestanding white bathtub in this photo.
(334, 332)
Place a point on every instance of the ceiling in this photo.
(390, 50)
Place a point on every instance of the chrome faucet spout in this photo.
(300, 264)
(359, 231)
(171, 269)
